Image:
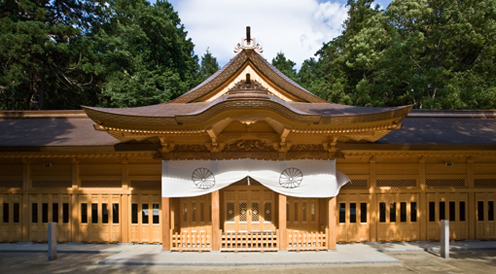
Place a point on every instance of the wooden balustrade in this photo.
(191, 241)
(304, 240)
(249, 241)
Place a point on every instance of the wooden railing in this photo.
(191, 241)
(304, 240)
(249, 241)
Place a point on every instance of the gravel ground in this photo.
(410, 262)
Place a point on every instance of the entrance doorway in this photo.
(248, 208)
(248, 214)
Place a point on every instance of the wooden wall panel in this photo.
(397, 169)
(485, 168)
(442, 168)
(145, 169)
(354, 168)
(10, 170)
(100, 169)
(55, 169)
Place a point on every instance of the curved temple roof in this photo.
(276, 95)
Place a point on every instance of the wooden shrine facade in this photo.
(97, 173)
(108, 198)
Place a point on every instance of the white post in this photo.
(445, 239)
(52, 241)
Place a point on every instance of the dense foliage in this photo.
(59, 54)
(208, 66)
(433, 54)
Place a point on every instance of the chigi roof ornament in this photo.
(248, 42)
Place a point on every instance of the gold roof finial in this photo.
(248, 42)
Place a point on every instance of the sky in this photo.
(296, 27)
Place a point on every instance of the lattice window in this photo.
(146, 184)
(268, 212)
(52, 184)
(242, 212)
(255, 212)
(396, 182)
(485, 182)
(230, 212)
(445, 182)
(354, 184)
(10, 183)
(101, 183)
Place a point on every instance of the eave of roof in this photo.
(160, 116)
(422, 130)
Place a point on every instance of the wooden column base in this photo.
(216, 221)
(166, 240)
(331, 224)
(283, 234)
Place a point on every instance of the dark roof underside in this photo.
(57, 132)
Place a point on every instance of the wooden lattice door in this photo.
(248, 209)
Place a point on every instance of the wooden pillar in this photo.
(422, 205)
(166, 240)
(471, 216)
(124, 207)
(75, 221)
(216, 221)
(26, 185)
(283, 234)
(331, 224)
(374, 219)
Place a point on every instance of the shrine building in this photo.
(247, 161)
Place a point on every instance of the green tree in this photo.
(208, 66)
(430, 53)
(285, 66)
(41, 52)
(342, 61)
(145, 55)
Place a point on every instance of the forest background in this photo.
(60, 54)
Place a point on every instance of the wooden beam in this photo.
(283, 234)
(331, 224)
(216, 221)
(166, 240)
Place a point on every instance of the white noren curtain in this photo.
(297, 178)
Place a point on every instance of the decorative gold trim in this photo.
(146, 132)
(344, 130)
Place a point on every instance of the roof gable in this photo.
(248, 61)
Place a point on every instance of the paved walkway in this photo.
(152, 255)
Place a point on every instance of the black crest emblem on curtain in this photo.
(203, 178)
(291, 178)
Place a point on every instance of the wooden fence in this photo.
(191, 241)
(249, 241)
(304, 240)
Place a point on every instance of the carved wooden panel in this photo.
(249, 146)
